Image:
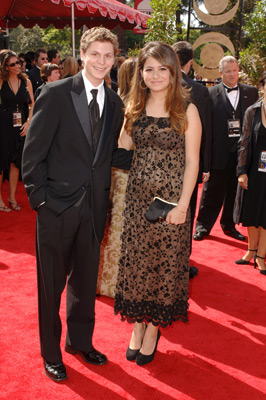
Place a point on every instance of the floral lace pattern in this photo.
(110, 245)
(153, 274)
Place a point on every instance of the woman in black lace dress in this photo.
(152, 284)
(251, 170)
(15, 91)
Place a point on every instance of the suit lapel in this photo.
(107, 123)
(79, 97)
(225, 100)
(244, 104)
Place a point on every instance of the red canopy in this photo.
(108, 13)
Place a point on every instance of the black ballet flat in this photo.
(244, 262)
(143, 359)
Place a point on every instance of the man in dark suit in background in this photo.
(200, 97)
(229, 101)
(70, 148)
(34, 74)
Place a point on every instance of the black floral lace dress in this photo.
(153, 274)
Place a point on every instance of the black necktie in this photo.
(94, 109)
(230, 89)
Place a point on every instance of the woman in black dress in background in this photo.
(251, 170)
(15, 91)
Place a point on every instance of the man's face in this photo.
(56, 59)
(229, 73)
(42, 59)
(98, 60)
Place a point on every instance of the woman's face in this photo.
(155, 75)
(13, 66)
(55, 75)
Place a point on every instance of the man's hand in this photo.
(243, 181)
(205, 176)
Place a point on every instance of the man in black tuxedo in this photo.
(229, 101)
(70, 148)
(200, 97)
(34, 74)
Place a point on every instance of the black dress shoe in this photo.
(143, 359)
(193, 271)
(234, 234)
(199, 235)
(92, 357)
(56, 372)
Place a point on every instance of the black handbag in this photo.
(158, 210)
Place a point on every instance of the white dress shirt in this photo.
(100, 94)
(233, 96)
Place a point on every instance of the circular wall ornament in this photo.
(215, 7)
(211, 53)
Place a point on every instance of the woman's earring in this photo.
(141, 85)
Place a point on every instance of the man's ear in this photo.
(81, 55)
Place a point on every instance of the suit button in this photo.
(92, 170)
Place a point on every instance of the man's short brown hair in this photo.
(98, 34)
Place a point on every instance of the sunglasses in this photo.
(44, 59)
(13, 64)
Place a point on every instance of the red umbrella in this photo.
(108, 13)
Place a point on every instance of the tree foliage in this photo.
(61, 39)
(253, 58)
(162, 23)
(24, 40)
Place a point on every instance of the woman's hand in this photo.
(176, 216)
(243, 181)
(24, 128)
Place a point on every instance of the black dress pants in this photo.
(193, 206)
(219, 191)
(67, 252)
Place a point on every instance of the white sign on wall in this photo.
(143, 6)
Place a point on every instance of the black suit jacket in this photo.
(35, 78)
(201, 99)
(58, 162)
(221, 112)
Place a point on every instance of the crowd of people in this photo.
(147, 131)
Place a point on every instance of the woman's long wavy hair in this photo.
(5, 56)
(70, 67)
(125, 76)
(177, 97)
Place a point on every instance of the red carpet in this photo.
(219, 355)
